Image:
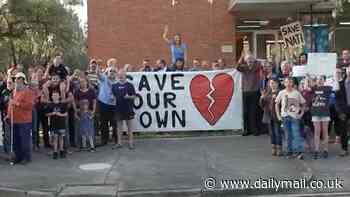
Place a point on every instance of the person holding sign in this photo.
(177, 47)
(124, 92)
(321, 115)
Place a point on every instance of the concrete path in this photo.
(177, 167)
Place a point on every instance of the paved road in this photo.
(171, 165)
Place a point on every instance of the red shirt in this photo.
(23, 112)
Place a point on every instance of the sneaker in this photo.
(55, 155)
(343, 153)
(300, 156)
(62, 154)
(325, 154)
(315, 155)
(92, 150)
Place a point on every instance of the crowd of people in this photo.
(70, 108)
(297, 112)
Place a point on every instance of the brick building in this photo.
(132, 29)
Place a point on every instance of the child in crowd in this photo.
(124, 93)
(86, 122)
(57, 117)
(321, 115)
(267, 102)
(290, 109)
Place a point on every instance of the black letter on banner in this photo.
(130, 77)
(162, 122)
(142, 121)
(162, 83)
(169, 97)
(174, 81)
(144, 83)
(149, 102)
(181, 121)
(138, 98)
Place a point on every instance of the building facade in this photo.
(131, 30)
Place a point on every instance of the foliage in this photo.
(33, 31)
(343, 10)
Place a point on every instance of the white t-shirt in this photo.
(291, 103)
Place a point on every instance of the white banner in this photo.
(187, 101)
(321, 64)
(293, 35)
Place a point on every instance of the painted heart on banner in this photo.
(212, 98)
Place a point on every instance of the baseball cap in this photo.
(21, 75)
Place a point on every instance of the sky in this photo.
(82, 13)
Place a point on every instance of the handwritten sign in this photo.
(293, 35)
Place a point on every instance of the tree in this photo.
(33, 31)
(343, 10)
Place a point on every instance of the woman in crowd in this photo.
(343, 111)
(307, 127)
(177, 47)
(85, 93)
(20, 115)
(320, 115)
(268, 102)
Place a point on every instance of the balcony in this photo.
(278, 8)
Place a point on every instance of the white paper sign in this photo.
(299, 71)
(187, 101)
(321, 64)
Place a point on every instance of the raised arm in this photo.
(165, 34)
(47, 71)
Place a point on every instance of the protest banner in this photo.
(293, 35)
(321, 64)
(187, 101)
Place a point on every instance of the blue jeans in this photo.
(22, 141)
(276, 133)
(295, 142)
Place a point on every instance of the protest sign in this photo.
(187, 101)
(321, 64)
(299, 71)
(293, 35)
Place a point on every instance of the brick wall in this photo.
(132, 29)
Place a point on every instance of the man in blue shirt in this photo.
(107, 104)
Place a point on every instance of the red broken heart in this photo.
(222, 91)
